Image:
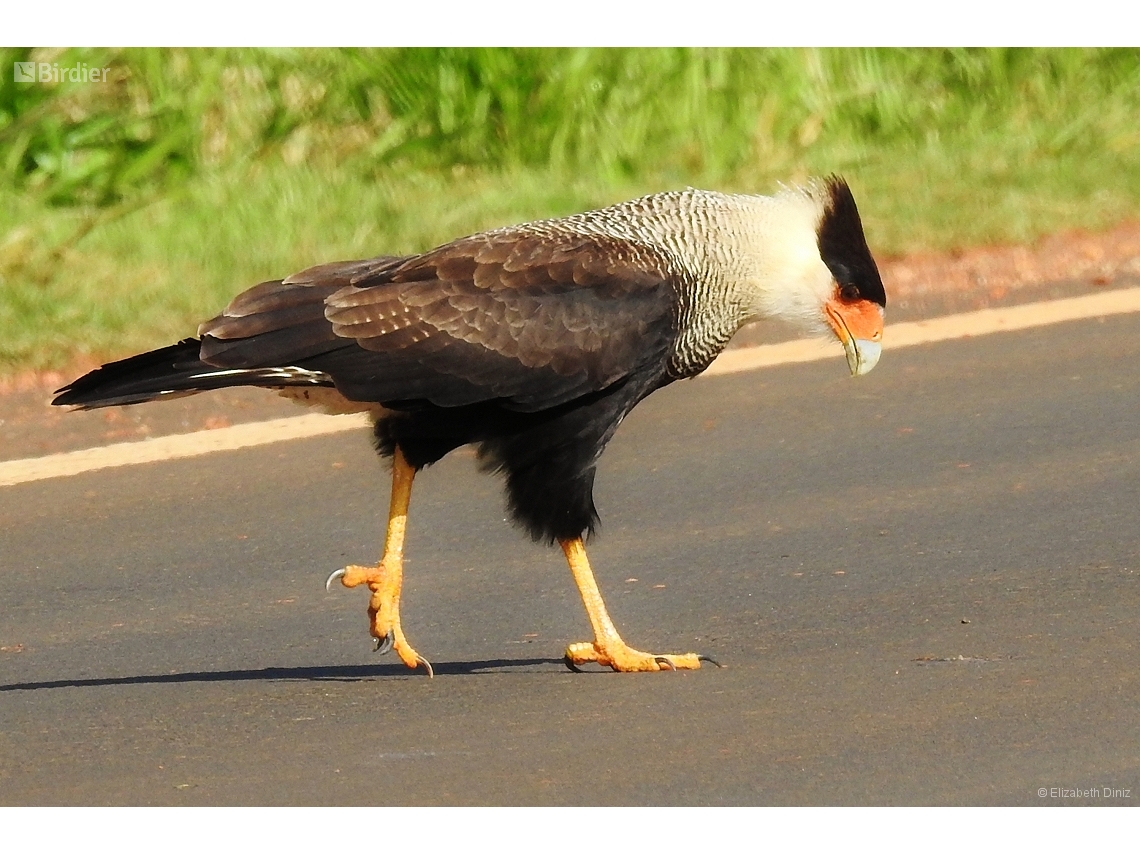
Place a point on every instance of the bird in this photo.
(532, 343)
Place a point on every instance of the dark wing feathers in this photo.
(342, 273)
(272, 324)
(532, 320)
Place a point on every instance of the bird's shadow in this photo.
(343, 673)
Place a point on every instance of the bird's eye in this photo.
(847, 291)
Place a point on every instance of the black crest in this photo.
(843, 247)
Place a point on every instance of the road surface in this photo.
(924, 585)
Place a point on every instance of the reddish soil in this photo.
(992, 272)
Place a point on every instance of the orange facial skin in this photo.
(861, 320)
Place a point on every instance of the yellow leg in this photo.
(607, 648)
(386, 578)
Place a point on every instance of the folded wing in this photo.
(531, 320)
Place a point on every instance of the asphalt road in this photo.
(924, 585)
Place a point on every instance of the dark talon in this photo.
(702, 658)
(570, 664)
(661, 660)
(427, 665)
(383, 645)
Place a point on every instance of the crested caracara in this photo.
(531, 342)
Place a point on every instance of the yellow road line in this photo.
(896, 336)
(175, 447)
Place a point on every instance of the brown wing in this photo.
(531, 319)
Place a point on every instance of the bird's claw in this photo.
(620, 657)
(383, 645)
(388, 642)
(383, 609)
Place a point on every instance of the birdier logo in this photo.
(53, 72)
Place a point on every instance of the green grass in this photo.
(136, 208)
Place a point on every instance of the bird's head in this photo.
(854, 305)
(811, 266)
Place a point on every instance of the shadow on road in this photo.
(347, 673)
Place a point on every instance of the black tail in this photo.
(170, 372)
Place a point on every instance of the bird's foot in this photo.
(383, 608)
(622, 657)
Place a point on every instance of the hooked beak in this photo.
(858, 324)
